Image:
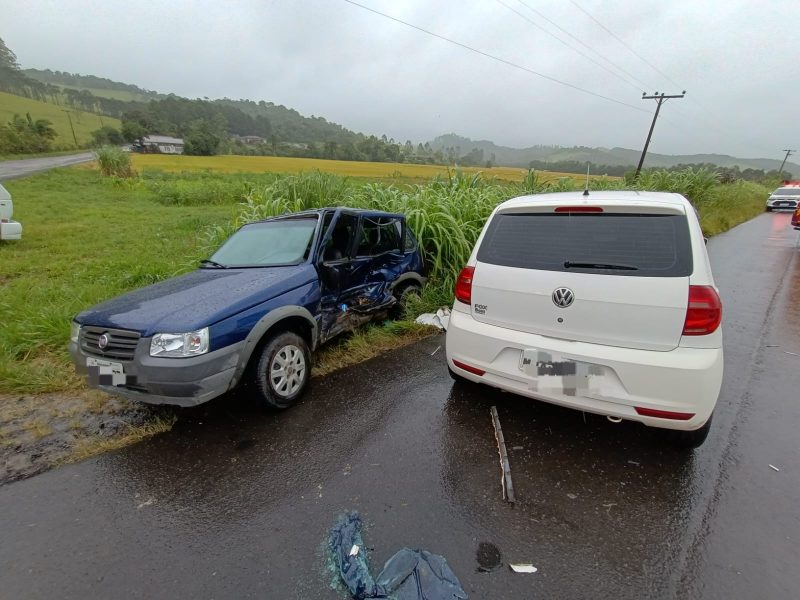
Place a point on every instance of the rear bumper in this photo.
(176, 381)
(683, 380)
(12, 230)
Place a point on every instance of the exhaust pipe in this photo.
(614, 419)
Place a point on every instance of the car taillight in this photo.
(464, 285)
(796, 218)
(704, 313)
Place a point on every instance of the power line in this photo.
(585, 45)
(496, 58)
(621, 41)
(558, 39)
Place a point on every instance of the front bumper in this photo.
(177, 381)
(782, 204)
(684, 380)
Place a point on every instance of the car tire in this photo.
(689, 440)
(769, 209)
(401, 295)
(283, 371)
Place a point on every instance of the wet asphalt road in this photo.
(11, 169)
(235, 503)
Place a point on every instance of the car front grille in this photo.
(121, 343)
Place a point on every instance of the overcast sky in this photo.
(737, 60)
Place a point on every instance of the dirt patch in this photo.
(40, 431)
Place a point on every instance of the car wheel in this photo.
(769, 209)
(402, 295)
(283, 370)
(689, 439)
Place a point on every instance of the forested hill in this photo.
(563, 159)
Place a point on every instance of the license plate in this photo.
(549, 371)
(105, 369)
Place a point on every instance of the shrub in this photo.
(114, 162)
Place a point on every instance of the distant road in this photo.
(12, 169)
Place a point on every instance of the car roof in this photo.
(618, 197)
(330, 209)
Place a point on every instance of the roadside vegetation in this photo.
(89, 237)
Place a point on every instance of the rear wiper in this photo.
(588, 265)
(212, 263)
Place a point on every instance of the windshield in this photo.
(272, 243)
(787, 192)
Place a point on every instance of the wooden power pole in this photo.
(660, 99)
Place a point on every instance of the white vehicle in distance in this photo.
(9, 230)
(785, 197)
(604, 303)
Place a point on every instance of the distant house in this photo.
(160, 144)
(250, 140)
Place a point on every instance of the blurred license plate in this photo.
(106, 368)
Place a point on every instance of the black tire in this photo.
(769, 209)
(286, 352)
(401, 294)
(689, 440)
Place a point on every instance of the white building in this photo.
(163, 144)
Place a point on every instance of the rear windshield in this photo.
(633, 245)
(794, 191)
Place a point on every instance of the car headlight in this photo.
(179, 344)
(74, 332)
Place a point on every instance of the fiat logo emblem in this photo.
(563, 297)
(102, 341)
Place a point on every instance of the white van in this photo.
(603, 302)
(9, 230)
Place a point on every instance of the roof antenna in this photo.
(586, 189)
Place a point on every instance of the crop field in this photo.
(83, 122)
(366, 170)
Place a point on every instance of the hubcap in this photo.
(287, 371)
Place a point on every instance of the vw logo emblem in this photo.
(102, 341)
(563, 297)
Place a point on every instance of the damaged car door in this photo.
(362, 255)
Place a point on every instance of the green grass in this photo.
(123, 95)
(85, 239)
(83, 122)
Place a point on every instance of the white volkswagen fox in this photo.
(603, 302)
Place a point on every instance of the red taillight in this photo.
(464, 285)
(663, 414)
(796, 218)
(704, 313)
(468, 369)
(579, 209)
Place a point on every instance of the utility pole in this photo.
(785, 158)
(74, 137)
(660, 99)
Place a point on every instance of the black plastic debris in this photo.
(408, 575)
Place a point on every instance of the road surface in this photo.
(235, 503)
(12, 169)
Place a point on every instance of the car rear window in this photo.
(793, 191)
(639, 245)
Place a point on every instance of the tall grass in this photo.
(113, 162)
(448, 213)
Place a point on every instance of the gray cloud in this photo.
(331, 59)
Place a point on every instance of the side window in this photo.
(341, 240)
(379, 235)
(410, 243)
